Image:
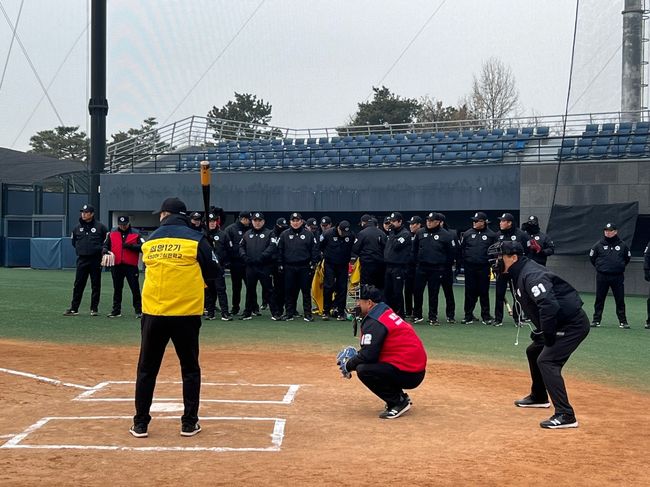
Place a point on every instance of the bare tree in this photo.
(494, 93)
(435, 112)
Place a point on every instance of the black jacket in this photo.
(514, 234)
(298, 247)
(88, 237)
(434, 248)
(221, 244)
(610, 255)
(257, 247)
(336, 249)
(545, 242)
(369, 244)
(646, 258)
(548, 300)
(398, 247)
(235, 232)
(474, 246)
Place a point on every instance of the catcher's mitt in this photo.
(342, 359)
(108, 260)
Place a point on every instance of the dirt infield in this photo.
(462, 430)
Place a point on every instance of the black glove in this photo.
(549, 339)
(647, 276)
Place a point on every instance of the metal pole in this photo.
(98, 104)
(631, 79)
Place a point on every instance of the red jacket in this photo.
(118, 243)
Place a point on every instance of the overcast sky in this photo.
(313, 60)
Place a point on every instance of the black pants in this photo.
(237, 277)
(477, 287)
(409, 288)
(448, 289)
(501, 292)
(156, 331)
(430, 277)
(217, 290)
(87, 265)
(277, 293)
(131, 273)
(603, 283)
(373, 273)
(335, 283)
(255, 274)
(388, 382)
(297, 279)
(394, 277)
(546, 363)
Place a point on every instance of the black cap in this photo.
(281, 222)
(195, 215)
(509, 247)
(434, 215)
(311, 222)
(295, 215)
(244, 214)
(172, 205)
(370, 292)
(610, 226)
(326, 220)
(396, 216)
(479, 215)
(507, 217)
(258, 215)
(123, 220)
(88, 208)
(344, 228)
(415, 219)
(533, 220)
(365, 218)
(387, 219)
(213, 217)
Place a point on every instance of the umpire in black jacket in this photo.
(646, 275)
(336, 246)
(397, 255)
(610, 256)
(369, 249)
(235, 232)
(541, 246)
(507, 232)
(88, 240)
(474, 251)
(298, 254)
(555, 308)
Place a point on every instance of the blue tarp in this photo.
(45, 253)
(17, 252)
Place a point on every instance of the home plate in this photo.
(166, 407)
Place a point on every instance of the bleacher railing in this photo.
(176, 147)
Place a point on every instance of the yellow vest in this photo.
(173, 284)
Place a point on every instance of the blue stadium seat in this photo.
(480, 155)
(542, 131)
(468, 133)
(426, 135)
(458, 147)
(439, 135)
(332, 153)
(437, 157)
(497, 132)
(299, 142)
(453, 134)
(565, 153)
(276, 142)
(449, 157)
(637, 150)
(603, 140)
(638, 139)
(347, 161)
(482, 132)
(591, 128)
(373, 138)
(582, 152)
(583, 142)
(527, 131)
(491, 137)
(512, 131)
(391, 159)
(473, 146)
(411, 136)
(386, 137)
(221, 148)
(318, 154)
(345, 152)
(376, 160)
(323, 140)
(419, 158)
(642, 128)
(425, 149)
(400, 138)
(599, 151)
(383, 151)
(440, 148)
(495, 155)
(335, 140)
(325, 146)
(287, 142)
(311, 141)
(608, 128)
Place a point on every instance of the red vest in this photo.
(402, 346)
(122, 255)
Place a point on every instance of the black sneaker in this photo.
(326, 317)
(397, 410)
(114, 314)
(226, 317)
(257, 313)
(70, 312)
(595, 324)
(434, 322)
(468, 320)
(139, 430)
(94, 312)
(647, 325)
(190, 429)
(451, 321)
(625, 326)
(246, 317)
(487, 321)
(210, 316)
(277, 318)
(308, 318)
(529, 402)
(417, 319)
(138, 316)
(287, 318)
(559, 421)
(341, 317)
(497, 323)
(234, 311)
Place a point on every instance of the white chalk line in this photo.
(43, 379)
(276, 437)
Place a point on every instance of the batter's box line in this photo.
(288, 398)
(276, 437)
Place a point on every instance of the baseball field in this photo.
(275, 411)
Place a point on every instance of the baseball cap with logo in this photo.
(479, 215)
(434, 215)
(365, 218)
(258, 215)
(611, 226)
(244, 214)
(415, 219)
(344, 228)
(396, 216)
(295, 216)
(311, 222)
(123, 220)
(326, 220)
(281, 222)
(507, 217)
(212, 217)
(533, 220)
(172, 205)
(88, 208)
(195, 215)
(387, 219)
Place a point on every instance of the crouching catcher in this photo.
(391, 358)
